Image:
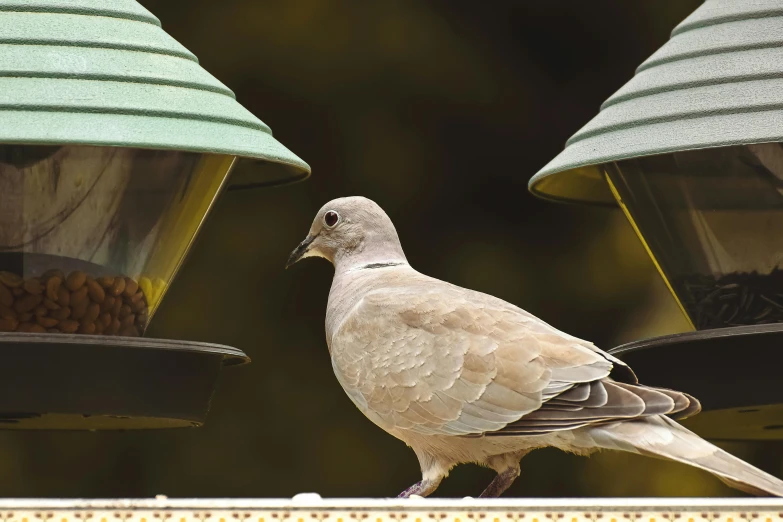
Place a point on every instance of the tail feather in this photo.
(661, 437)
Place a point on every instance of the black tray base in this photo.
(89, 382)
(736, 373)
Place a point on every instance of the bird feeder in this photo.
(114, 144)
(690, 149)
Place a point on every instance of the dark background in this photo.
(441, 111)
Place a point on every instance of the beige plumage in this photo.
(461, 376)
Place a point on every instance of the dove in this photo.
(461, 376)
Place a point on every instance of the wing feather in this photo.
(444, 360)
(437, 359)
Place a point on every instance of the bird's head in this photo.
(351, 231)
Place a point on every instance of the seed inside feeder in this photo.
(734, 299)
(73, 303)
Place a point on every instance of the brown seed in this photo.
(128, 321)
(51, 305)
(118, 287)
(106, 319)
(6, 297)
(69, 326)
(41, 311)
(23, 327)
(36, 328)
(115, 310)
(125, 311)
(53, 285)
(33, 286)
(76, 280)
(61, 314)
(141, 318)
(114, 328)
(97, 293)
(78, 310)
(53, 330)
(99, 328)
(131, 287)
(130, 331)
(11, 280)
(27, 303)
(54, 272)
(63, 296)
(137, 297)
(47, 322)
(8, 325)
(138, 306)
(108, 303)
(93, 311)
(80, 296)
(105, 281)
(17, 291)
(87, 328)
(25, 318)
(7, 313)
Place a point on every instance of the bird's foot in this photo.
(422, 488)
(500, 483)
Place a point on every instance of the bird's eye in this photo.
(331, 218)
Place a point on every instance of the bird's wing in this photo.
(442, 360)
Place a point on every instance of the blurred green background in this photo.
(439, 110)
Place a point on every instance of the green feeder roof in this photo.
(717, 82)
(103, 72)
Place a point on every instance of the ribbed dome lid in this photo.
(717, 82)
(103, 72)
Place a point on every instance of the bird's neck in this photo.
(352, 281)
(370, 255)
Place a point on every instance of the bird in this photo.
(461, 376)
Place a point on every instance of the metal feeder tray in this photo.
(734, 372)
(90, 382)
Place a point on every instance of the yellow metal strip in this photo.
(620, 202)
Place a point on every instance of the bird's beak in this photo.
(300, 251)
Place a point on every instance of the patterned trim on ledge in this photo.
(311, 508)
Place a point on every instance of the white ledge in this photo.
(312, 501)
